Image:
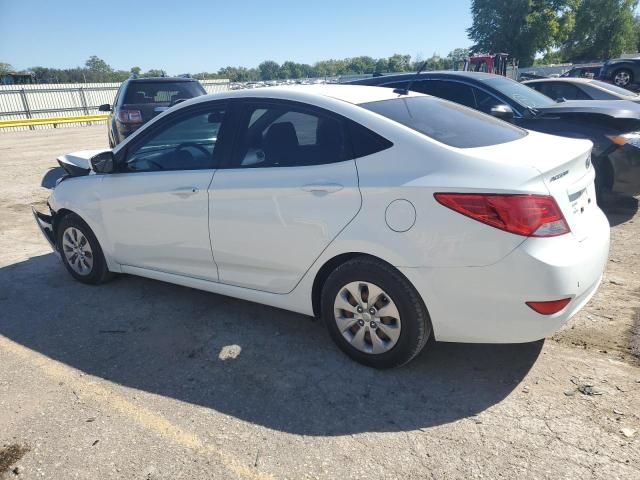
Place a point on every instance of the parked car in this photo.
(580, 89)
(623, 72)
(138, 100)
(393, 217)
(583, 71)
(612, 126)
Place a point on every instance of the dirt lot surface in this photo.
(139, 379)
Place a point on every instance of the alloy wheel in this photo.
(622, 79)
(367, 317)
(77, 251)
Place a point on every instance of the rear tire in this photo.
(623, 77)
(374, 314)
(80, 251)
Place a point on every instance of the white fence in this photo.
(65, 100)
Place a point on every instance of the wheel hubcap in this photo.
(367, 317)
(77, 251)
(622, 79)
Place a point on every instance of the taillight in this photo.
(130, 116)
(528, 215)
(548, 308)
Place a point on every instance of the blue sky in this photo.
(195, 35)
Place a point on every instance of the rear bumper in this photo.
(45, 223)
(487, 304)
(626, 167)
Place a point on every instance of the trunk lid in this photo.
(565, 168)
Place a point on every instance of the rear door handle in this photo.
(185, 192)
(322, 187)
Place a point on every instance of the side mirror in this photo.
(561, 100)
(103, 162)
(503, 112)
(104, 108)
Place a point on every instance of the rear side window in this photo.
(447, 122)
(162, 93)
(365, 142)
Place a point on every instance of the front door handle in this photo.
(322, 187)
(185, 192)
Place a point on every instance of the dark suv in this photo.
(140, 99)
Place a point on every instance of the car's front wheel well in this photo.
(324, 272)
(57, 217)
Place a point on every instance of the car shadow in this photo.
(620, 208)
(49, 179)
(259, 364)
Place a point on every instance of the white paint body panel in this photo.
(268, 225)
(269, 237)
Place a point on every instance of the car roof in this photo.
(560, 79)
(439, 73)
(354, 94)
(161, 79)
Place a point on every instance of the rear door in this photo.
(291, 186)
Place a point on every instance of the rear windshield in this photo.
(613, 88)
(522, 94)
(447, 122)
(161, 92)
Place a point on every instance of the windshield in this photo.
(613, 88)
(161, 92)
(517, 92)
(447, 122)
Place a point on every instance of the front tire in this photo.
(374, 314)
(80, 251)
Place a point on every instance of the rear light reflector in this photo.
(527, 215)
(130, 116)
(548, 308)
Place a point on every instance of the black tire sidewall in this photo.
(415, 322)
(99, 271)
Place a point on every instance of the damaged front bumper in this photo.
(45, 223)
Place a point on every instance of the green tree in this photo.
(603, 29)
(269, 70)
(5, 68)
(97, 65)
(382, 65)
(399, 63)
(521, 28)
(155, 72)
(135, 70)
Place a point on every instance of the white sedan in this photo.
(395, 217)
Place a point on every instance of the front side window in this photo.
(287, 136)
(186, 144)
(446, 122)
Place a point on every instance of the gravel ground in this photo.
(139, 379)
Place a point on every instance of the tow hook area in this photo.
(45, 222)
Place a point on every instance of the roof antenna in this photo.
(405, 90)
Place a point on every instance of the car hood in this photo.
(610, 108)
(77, 163)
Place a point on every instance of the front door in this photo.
(291, 186)
(156, 210)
